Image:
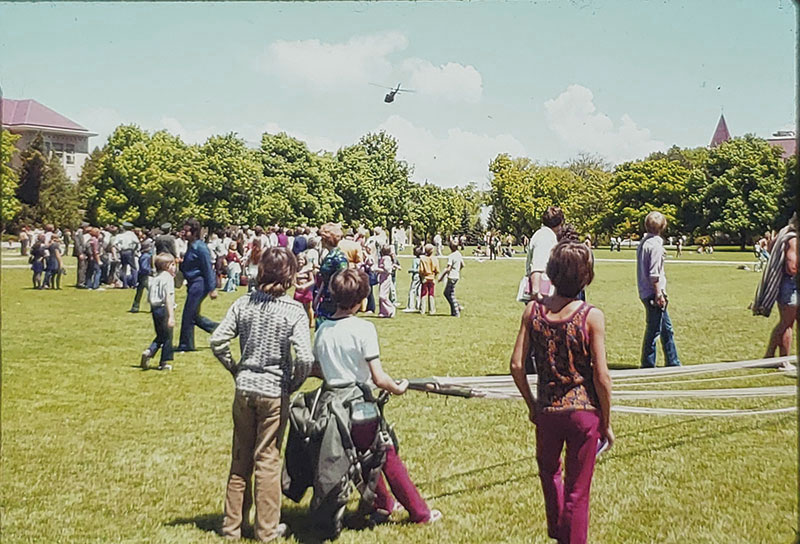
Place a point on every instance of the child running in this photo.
(346, 348)
(428, 270)
(269, 324)
(161, 296)
(573, 401)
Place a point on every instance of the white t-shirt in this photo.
(542, 243)
(455, 261)
(343, 347)
(160, 286)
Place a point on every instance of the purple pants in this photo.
(566, 499)
(397, 475)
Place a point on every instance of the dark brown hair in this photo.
(276, 271)
(553, 216)
(349, 287)
(194, 227)
(570, 268)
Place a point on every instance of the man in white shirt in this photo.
(542, 243)
(455, 262)
(127, 243)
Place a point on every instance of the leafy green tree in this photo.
(9, 203)
(229, 182)
(59, 198)
(743, 185)
(297, 183)
(142, 179)
(32, 170)
(433, 209)
(637, 188)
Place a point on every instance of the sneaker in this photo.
(145, 359)
(409, 310)
(435, 516)
(165, 366)
(281, 531)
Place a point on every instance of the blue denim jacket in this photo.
(197, 264)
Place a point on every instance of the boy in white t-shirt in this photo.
(455, 262)
(346, 349)
(162, 306)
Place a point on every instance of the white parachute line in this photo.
(696, 413)
(696, 380)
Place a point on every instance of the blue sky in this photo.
(541, 79)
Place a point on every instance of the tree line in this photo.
(732, 193)
(148, 179)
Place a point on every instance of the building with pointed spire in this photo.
(721, 134)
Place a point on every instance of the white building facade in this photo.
(63, 137)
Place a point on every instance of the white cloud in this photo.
(314, 143)
(366, 59)
(452, 80)
(577, 123)
(455, 159)
(197, 135)
(329, 66)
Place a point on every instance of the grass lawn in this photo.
(96, 450)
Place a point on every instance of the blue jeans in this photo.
(196, 292)
(163, 335)
(93, 275)
(658, 324)
(127, 259)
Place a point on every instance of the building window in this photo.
(69, 150)
(58, 149)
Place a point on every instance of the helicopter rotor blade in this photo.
(382, 86)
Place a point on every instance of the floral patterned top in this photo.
(563, 361)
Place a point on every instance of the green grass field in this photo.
(96, 450)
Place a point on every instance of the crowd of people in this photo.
(333, 274)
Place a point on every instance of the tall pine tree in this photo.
(32, 170)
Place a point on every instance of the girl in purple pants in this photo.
(573, 402)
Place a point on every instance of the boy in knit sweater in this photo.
(269, 324)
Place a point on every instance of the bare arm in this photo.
(521, 348)
(383, 381)
(595, 322)
(791, 256)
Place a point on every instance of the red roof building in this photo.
(786, 140)
(721, 134)
(62, 136)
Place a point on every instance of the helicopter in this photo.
(389, 98)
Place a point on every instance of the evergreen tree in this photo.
(32, 171)
(58, 197)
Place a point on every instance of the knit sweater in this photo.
(268, 328)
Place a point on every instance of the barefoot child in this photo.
(268, 323)
(346, 348)
(161, 296)
(573, 401)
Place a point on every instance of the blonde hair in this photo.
(655, 222)
(352, 250)
(163, 260)
(331, 233)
